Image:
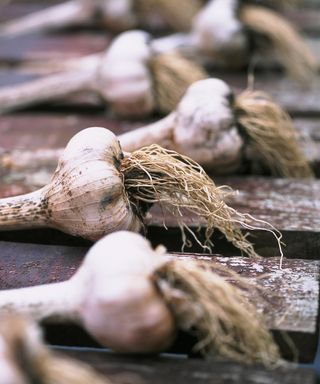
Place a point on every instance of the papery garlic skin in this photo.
(113, 295)
(86, 196)
(205, 127)
(138, 319)
(116, 14)
(216, 29)
(124, 79)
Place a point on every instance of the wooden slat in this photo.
(294, 97)
(293, 207)
(306, 17)
(289, 300)
(159, 370)
(47, 131)
(53, 130)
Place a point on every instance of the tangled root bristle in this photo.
(157, 175)
(37, 363)
(178, 14)
(172, 75)
(223, 320)
(272, 134)
(288, 45)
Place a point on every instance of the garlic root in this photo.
(95, 191)
(214, 128)
(85, 196)
(134, 299)
(285, 42)
(222, 30)
(25, 359)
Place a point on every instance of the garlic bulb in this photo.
(95, 190)
(124, 78)
(227, 32)
(134, 299)
(202, 127)
(85, 196)
(24, 359)
(129, 77)
(215, 128)
(219, 130)
(217, 29)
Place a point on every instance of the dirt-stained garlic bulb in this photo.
(218, 130)
(134, 299)
(24, 359)
(114, 14)
(85, 196)
(129, 77)
(227, 32)
(96, 190)
(221, 131)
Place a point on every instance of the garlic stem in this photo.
(111, 294)
(159, 132)
(132, 298)
(26, 211)
(45, 302)
(70, 13)
(27, 160)
(181, 42)
(46, 89)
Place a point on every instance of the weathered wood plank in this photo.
(47, 47)
(293, 207)
(289, 300)
(53, 130)
(22, 133)
(294, 97)
(305, 17)
(170, 369)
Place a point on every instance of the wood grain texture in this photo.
(170, 369)
(289, 299)
(20, 134)
(293, 207)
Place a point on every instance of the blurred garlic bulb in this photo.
(221, 131)
(228, 32)
(134, 299)
(114, 14)
(24, 359)
(129, 77)
(85, 196)
(95, 190)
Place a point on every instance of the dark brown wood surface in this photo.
(169, 369)
(290, 299)
(293, 207)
